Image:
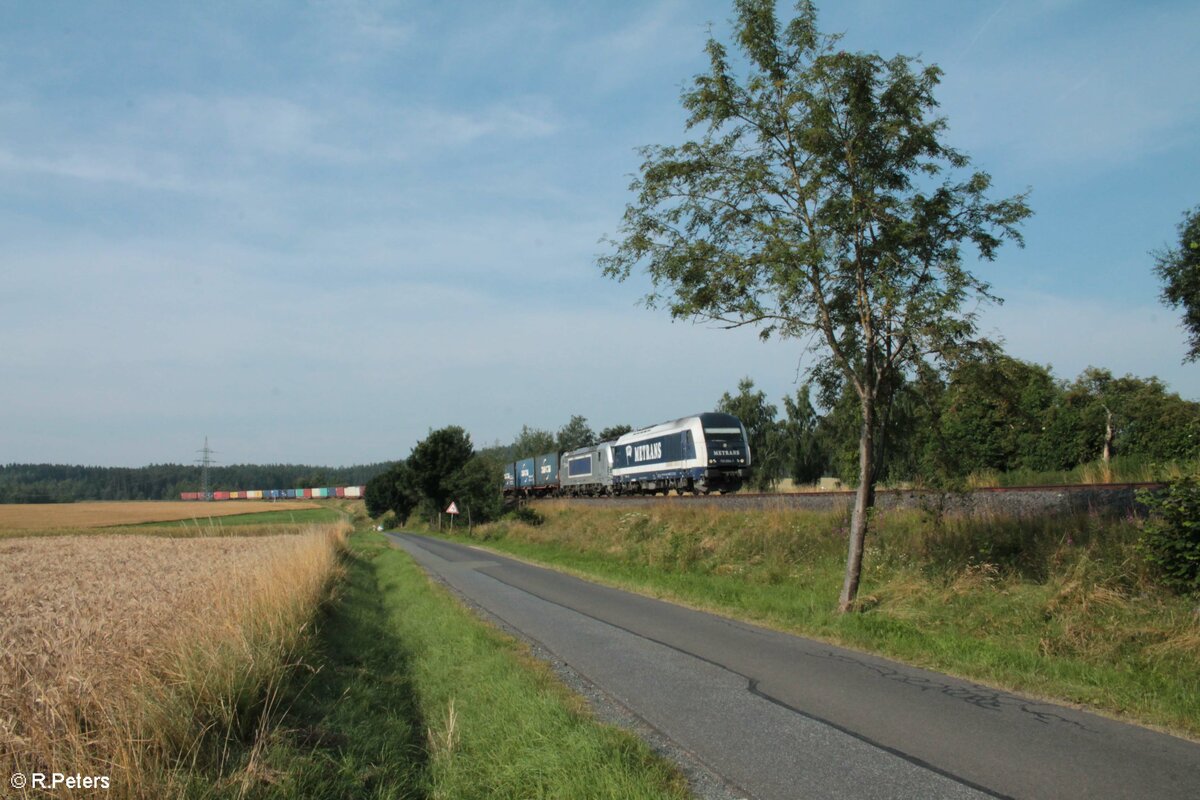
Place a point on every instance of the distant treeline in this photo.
(59, 483)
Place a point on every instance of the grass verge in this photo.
(1059, 608)
(417, 698)
(302, 516)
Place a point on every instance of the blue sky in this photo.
(313, 232)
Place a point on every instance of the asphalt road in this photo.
(780, 716)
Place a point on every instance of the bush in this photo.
(1170, 540)
(524, 513)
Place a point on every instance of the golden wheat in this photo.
(119, 655)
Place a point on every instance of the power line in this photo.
(205, 461)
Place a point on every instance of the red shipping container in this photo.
(308, 493)
(341, 491)
(220, 495)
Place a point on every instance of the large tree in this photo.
(1179, 269)
(532, 442)
(805, 455)
(395, 490)
(613, 432)
(437, 460)
(575, 434)
(820, 203)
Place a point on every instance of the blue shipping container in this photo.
(547, 471)
(525, 473)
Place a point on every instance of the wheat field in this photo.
(34, 517)
(123, 656)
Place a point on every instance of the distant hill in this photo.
(61, 483)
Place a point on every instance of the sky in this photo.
(313, 232)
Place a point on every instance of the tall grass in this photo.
(1057, 606)
(1122, 469)
(165, 668)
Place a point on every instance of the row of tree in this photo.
(60, 483)
(995, 413)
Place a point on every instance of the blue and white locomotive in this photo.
(699, 454)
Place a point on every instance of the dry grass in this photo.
(135, 657)
(100, 515)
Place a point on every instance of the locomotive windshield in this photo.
(726, 443)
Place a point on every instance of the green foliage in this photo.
(908, 447)
(1179, 270)
(527, 515)
(805, 455)
(816, 202)
(532, 442)
(395, 490)
(998, 415)
(1148, 421)
(442, 468)
(436, 461)
(477, 489)
(575, 434)
(1171, 536)
(613, 432)
(992, 413)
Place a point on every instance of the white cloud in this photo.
(94, 168)
(190, 142)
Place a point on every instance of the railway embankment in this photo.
(1022, 501)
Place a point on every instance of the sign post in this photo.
(452, 510)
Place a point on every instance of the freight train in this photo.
(278, 494)
(699, 454)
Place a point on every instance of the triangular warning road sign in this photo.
(453, 509)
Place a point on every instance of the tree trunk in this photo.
(864, 500)
(1108, 436)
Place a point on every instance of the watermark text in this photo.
(57, 780)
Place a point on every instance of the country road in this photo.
(780, 716)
